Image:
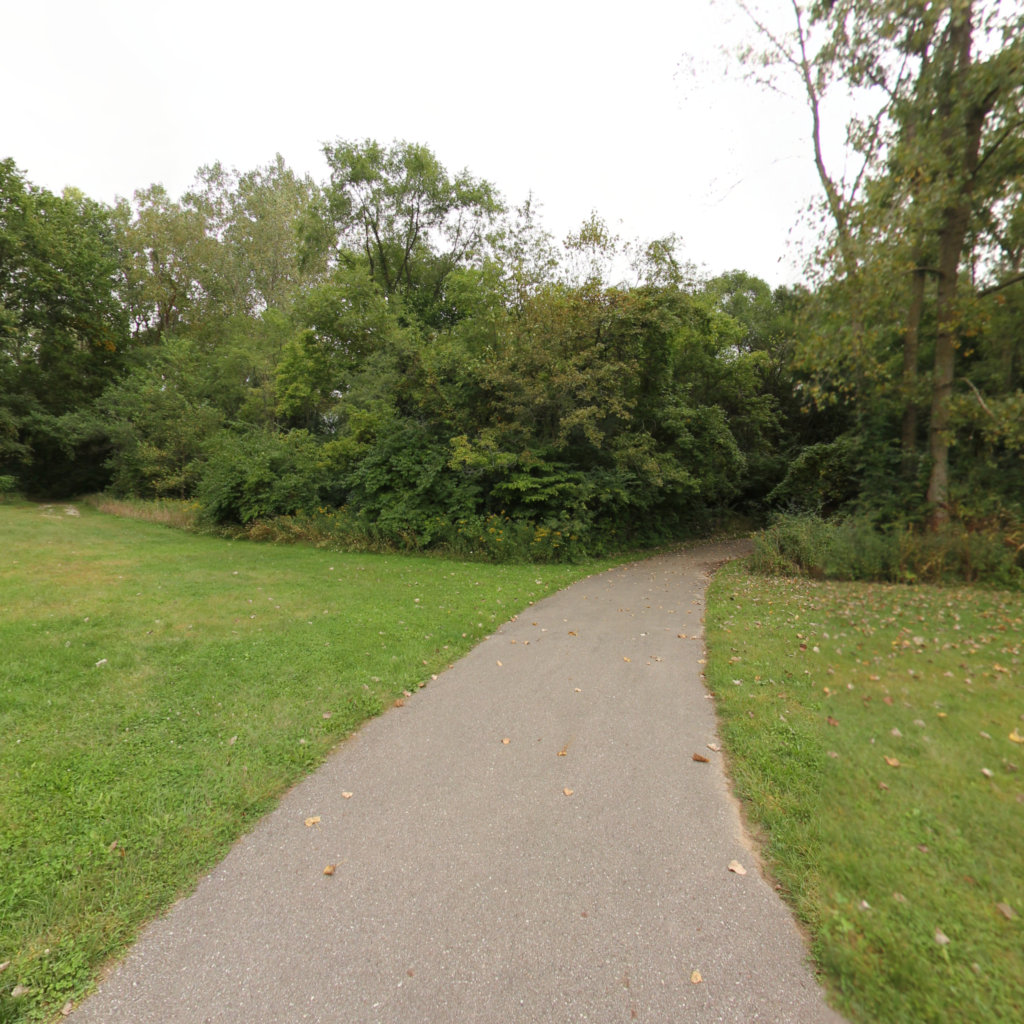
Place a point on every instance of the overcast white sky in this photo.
(622, 108)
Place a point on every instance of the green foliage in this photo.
(858, 548)
(63, 329)
(260, 474)
(409, 221)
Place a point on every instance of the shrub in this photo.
(857, 548)
(260, 475)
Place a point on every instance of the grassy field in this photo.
(159, 690)
(874, 734)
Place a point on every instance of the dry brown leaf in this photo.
(329, 870)
(346, 796)
(65, 1010)
(832, 721)
(715, 747)
(567, 791)
(1016, 737)
(564, 752)
(1006, 910)
(400, 703)
(506, 741)
(737, 868)
(701, 758)
(624, 658)
(987, 772)
(941, 937)
(892, 762)
(882, 786)
(499, 664)
(695, 978)
(310, 822)
(572, 632)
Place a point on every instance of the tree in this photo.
(62, 326)
(398, 212)
(940, 155)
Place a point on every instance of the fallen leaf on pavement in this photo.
(506, 741)
(715, 747)
(695, 978)
(346, 796)
(310, 822)
(737, 868)
(329, 870)
(567, 791)
(701, 758)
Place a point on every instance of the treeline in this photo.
(395, 343)
(397, 358)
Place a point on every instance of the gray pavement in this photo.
(578, 872)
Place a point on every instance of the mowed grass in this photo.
(874, 734)
(159, 690)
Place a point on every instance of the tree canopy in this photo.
(398, 348)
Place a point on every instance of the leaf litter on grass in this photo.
(905, 681)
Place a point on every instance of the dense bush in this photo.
(259, 475)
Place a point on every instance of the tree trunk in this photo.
(950, 246)
(911, 344)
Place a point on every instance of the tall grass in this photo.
(856, 548)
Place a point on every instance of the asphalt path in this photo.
(527, 839)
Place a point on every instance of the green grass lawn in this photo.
(159, 690)
(874, 734)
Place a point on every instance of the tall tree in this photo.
(399, 211)
(62, 326)
(941, 153)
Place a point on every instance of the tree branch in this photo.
(992, 289)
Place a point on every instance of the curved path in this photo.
(577, 872)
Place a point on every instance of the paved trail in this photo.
(469, 887)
